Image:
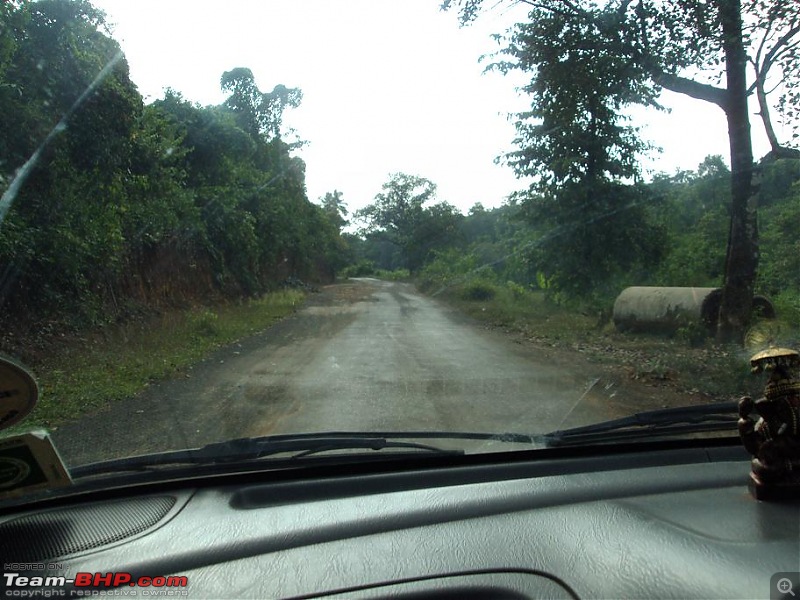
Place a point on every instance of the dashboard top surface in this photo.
(688, 530)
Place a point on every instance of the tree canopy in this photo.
(122, 203)
(399, 216)
(589, 60)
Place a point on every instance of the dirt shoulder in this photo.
(638, 372)
(203, 402)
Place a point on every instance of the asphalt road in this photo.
(367, 355)
(407, 363)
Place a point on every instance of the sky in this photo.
(388, 86)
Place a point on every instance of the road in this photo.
(367, 355)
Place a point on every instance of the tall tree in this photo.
(334, 207)
(399, 217)
(259, 113)
(659, 45)
(68, 112)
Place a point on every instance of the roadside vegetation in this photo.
(551, 262)
(705, 371)
(98, 367)
(506, 267)
(367, 268)
(112, 208)
(136, 238)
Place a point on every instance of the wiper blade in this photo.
(248, 449)
(721, 416)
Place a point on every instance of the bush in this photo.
(396, 275)
(447, 268)
(478, 290)
(363, 268)
(787, 307)
(517, 291)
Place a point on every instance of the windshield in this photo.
(242, 219)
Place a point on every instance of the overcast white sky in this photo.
(389, 85)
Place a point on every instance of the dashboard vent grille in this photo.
(63, 532)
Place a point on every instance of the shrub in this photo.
(396, 275)
(363, 268)
(787, 306)
(478, 290)
(517, 291)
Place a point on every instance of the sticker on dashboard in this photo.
(30, 462)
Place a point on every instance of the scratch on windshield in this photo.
(7, 199)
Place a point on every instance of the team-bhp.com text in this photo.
(93, 584)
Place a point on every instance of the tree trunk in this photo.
(741, 262)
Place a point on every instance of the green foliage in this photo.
(517, 291)
(590, 230)
(205, 322)
(787, 307)
(128, 203)
(478, 290)
(335, 209)
(580, 79)
(588, 60)
(593, 239)
(448, 267)
(396, 275)
(257, 113)
(363, 268)
(780, 244)
(695, 256)
(405, 231)
(129, 357)
(694, 210)
(518, 247)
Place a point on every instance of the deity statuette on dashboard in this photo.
(774, 439)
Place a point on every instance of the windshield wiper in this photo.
(670, 421)
(248, 449)
(721, 416)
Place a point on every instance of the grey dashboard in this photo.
(678, 524)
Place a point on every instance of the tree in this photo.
(654, 45)
(259, 113)
(775, 55)
(397, 209)
(335, 209)
(400, 218)
(123, 203)
(63, 234)
(437, 229)
(591, 226)
(694, 209)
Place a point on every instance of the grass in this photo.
(101, 368)
(525, 311)
(719, 372)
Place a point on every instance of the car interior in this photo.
(662, 519)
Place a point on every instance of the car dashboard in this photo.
(671, 521)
